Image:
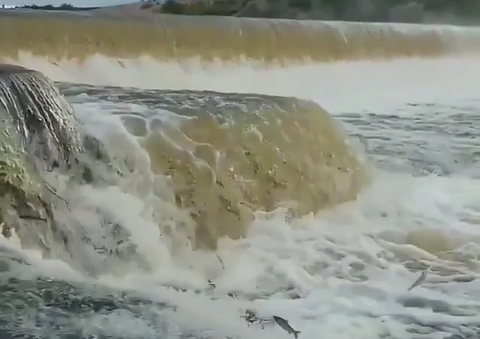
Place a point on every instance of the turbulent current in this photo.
(191, 178)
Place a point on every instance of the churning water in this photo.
(342, 272)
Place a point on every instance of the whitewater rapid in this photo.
(342, 273)
(406, 98)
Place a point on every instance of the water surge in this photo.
(176, 169)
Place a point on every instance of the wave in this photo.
(217, 157)
(65, 36)
(228, 155)
(39, 134)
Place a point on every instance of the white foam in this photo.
(346, 265)
(339, 87)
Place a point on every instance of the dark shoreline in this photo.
(64, 7)
(457, 12)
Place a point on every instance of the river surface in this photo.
(341, 274)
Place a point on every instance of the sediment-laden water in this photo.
(313, 191)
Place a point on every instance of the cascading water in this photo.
(201, 184)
